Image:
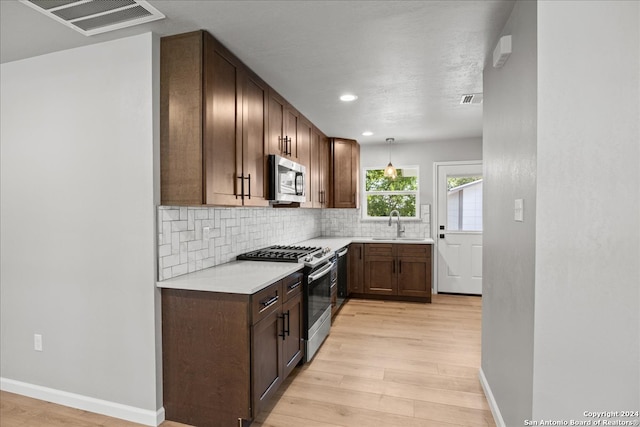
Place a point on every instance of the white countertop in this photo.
(237, 277)
(401, 240)
(249, 277)
(336, 243)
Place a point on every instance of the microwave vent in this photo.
(91, 17)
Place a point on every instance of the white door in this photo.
(459, 227)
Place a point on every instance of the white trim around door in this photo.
(468, 260)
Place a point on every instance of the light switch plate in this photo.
(37, 342)
(518, 210)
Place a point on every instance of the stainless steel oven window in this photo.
(319, 283)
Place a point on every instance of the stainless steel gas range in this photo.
(320, 271)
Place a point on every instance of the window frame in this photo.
(365, 193)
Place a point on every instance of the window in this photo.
(464, 203)
(382, 194)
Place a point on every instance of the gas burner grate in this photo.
(282, 253)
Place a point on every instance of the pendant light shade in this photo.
(390, 170)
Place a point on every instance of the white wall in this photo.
(587, 331)
(184, 248)
(561, 325)
(509, 154)
(77, 223)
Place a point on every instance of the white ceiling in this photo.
(409, 62)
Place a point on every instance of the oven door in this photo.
(317, 293)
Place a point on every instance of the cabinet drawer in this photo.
(266, 301)
(418, 251)
(378, 249)
(292, 285)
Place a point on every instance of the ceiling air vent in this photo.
(472, 98)
(91, 17)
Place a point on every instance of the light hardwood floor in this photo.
(385, 364)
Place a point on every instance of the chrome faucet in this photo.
(399, 227)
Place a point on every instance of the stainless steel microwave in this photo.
(286, 180)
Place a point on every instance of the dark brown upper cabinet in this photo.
(218, 123)
(303, 132)
(283, 128)
(213, 114)
(320, 170)
(345, 171)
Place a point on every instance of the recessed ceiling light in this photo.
(367, 133)
(348, 97)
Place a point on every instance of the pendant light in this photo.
(390, 171)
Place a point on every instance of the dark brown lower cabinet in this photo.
(292, 343)
(380, 276)
(225, 355)
(266, 363)
(394, 271)
(414, 271)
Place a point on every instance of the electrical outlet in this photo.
(37, 342)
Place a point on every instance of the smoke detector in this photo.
(472, 98)
(91, 17)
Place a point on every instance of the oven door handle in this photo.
(322, 272)
(343, 253)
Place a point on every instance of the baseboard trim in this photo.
(493, 405)
(85, 403)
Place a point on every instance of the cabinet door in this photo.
(414, 270)
(380, 275)
(254, 153)
(304, 157)
(324, 176)
(319, 160)
(283, 123)
(222, 136)
(380, 269)
(266, 359)
(275, 141)
(291, 132)
(346, 163)
(414, 277)
(356, 268)
(292, 343)
(313, 175)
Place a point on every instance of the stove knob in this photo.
(308, 258)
